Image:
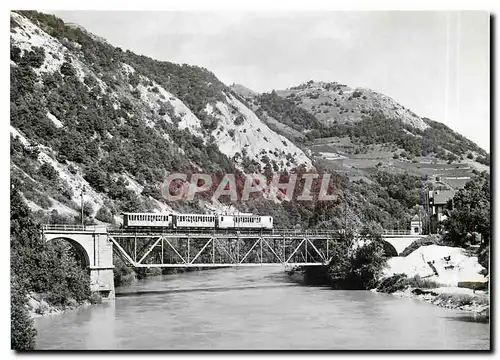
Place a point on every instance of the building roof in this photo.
(441, 197)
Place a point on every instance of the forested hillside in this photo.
(88, 115)
(322, 110)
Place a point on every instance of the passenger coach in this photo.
(196, 221)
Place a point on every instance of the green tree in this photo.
(38, 266)
(471, 213)
(22, 330)
(358, 263)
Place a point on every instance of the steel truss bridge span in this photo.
(181, 249)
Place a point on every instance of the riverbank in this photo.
(38, 305)
(456, 298)
(445, 276)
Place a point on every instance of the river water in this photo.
(256, 308)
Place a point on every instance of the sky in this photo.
(434, 63)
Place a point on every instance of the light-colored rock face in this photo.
(251, 138)
(336, 103)
(240, 130)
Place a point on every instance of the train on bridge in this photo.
(142, 221)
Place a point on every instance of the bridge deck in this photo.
(217, 248)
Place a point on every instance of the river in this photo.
(256, 308)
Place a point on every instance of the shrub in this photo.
(67, 69)
(104, 215)
(418, 282)
(48, 171)
(43, 267)
(396, 282)
(22, 330)
(239, 120)
(357, 94)
(357, 267)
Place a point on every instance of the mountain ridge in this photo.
(85, 113)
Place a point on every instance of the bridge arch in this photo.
(81, 252)
(389, 249)
(92, 246)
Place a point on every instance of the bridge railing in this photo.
(397, 232)
(69, 227)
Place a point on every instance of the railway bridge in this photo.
(96, 244)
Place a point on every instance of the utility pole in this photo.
(81, 200)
